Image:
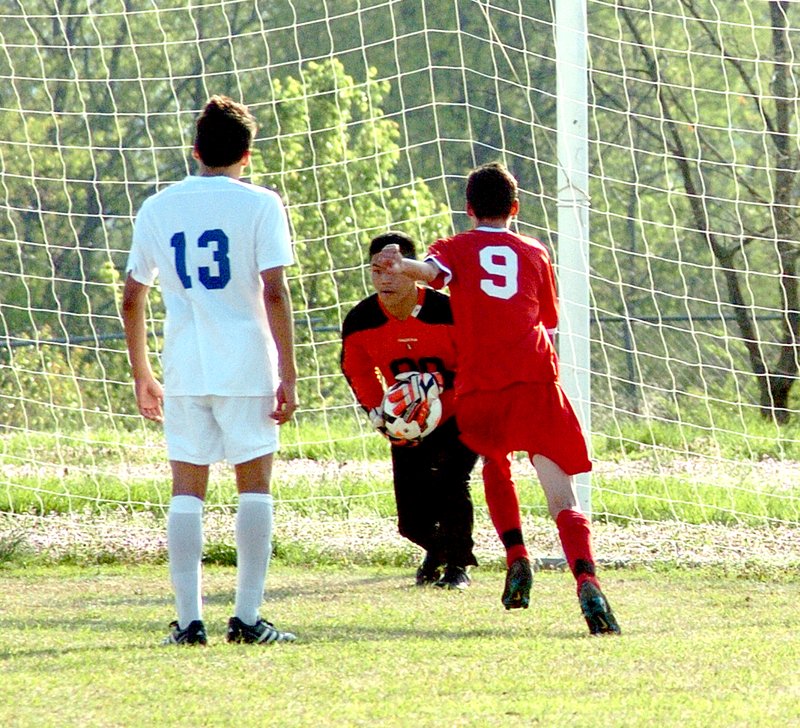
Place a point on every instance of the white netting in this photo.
(372, 112)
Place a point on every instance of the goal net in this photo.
(371, 114)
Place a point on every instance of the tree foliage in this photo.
(122, 131)
(333, 157)
(370, 118)
(708, 109)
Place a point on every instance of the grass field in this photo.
(745, 474)
(79, 647)
(85, 597)
(100, 496)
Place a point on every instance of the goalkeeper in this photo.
(400, 328)
(219, 247)
(505, 313)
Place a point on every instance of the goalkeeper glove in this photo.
(408, 401)
(376, 420)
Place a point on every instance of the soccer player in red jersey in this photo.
(505, 311)
(401, 328)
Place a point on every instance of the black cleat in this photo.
(429, 571)
(261, 632)
(517, 592)
(597, 610)
(194, 634)
(454, 577)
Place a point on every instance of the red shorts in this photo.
(533, 417)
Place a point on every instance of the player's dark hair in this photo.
(403, 241)
(491, 191)
(224, 132)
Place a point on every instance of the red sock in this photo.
(576, 540)
(503, 504)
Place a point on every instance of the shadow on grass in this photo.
(320, 587)
(80, 648)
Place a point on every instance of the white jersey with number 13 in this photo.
(207, 239)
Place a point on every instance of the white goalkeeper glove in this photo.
(376, 420)
(412, 401)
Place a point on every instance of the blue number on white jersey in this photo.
(220, 280)
(179, 243)
(210, 280)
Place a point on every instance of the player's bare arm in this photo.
(278, 303)
(149, 394)
(392, 260)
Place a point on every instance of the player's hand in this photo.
(389, 259)
(376, 420)
(405, 397)
(408, 401)
(432, 382)
(286, 403)
(418, 412)
(150, 398)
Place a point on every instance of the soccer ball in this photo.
(411, 406)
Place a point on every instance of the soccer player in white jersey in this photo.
(219, 247)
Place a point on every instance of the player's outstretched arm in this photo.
(391, 259)
(278, 302)
(149, 394)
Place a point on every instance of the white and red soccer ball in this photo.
(411, 407)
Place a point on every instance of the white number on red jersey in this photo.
(501, 262)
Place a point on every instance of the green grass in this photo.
(668, 498)
(710, 469)
(647, 497)
(700, 428)
(79, 647)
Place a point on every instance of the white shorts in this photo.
(205, 430)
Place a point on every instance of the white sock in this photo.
(185, 548)
(253, 551)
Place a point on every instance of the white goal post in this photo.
(666, 193)
(573, 199)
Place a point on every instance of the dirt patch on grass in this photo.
(124, 537)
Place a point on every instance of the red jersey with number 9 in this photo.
(503, 296)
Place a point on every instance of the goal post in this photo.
(669, 130)
(572, 129)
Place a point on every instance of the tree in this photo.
(333, 156)
(103, 127)
(736, 162)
